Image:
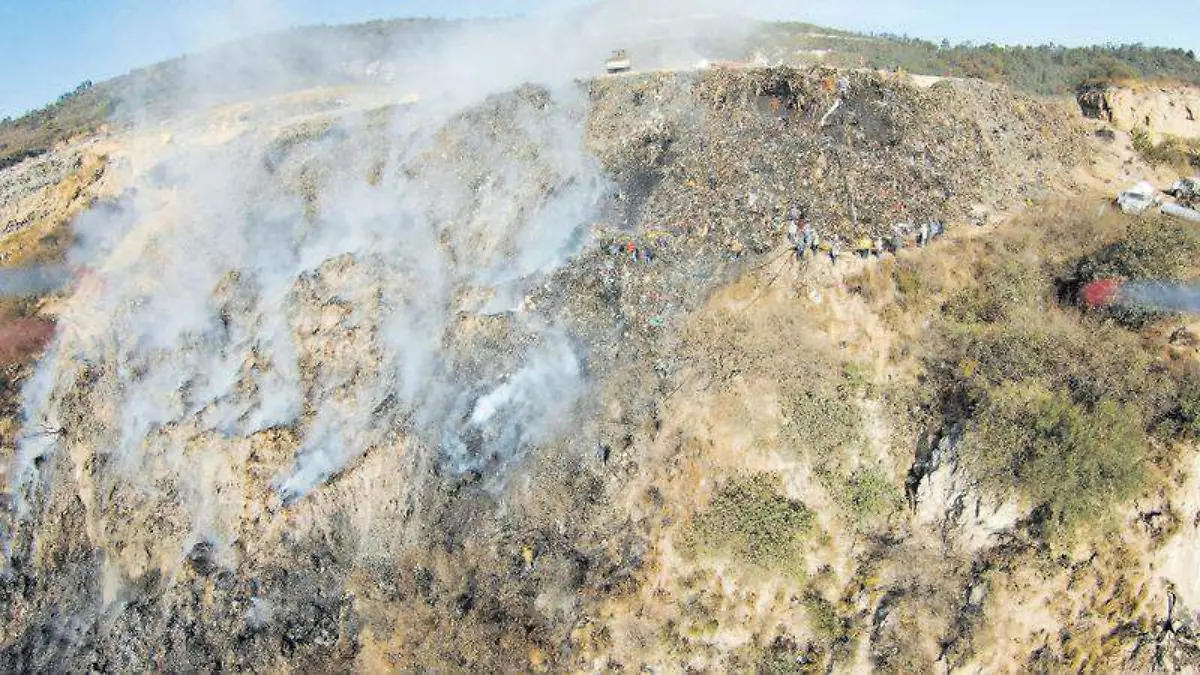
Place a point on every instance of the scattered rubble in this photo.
(1181, 201)
(725, 155)
(1187, 191)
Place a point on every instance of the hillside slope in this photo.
(538, 383)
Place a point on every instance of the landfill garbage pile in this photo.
(405, 383)
(727, 154)
(260, 323)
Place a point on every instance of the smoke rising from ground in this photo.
(358, 280)
(1166, 297)
(25, 282)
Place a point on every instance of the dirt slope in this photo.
(1163, 111)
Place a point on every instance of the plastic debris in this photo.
(1137, 199)
(832, 109)
(1187, 191)
(1182, 212)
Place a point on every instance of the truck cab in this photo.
(619, 62)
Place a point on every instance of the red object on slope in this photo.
(1100, 293)
(21, 339)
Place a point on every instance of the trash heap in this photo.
(726, 154)
(715, 172)
(1187, 192)
(24, 187)
(1181, 201)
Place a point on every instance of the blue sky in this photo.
(49, 46)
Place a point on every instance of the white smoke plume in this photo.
(328, 280)
(24, 282)
(1161, 296)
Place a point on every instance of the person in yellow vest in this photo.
(862, 247)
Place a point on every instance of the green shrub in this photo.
(1074, 461)
(1089, 360)
(823, 618)
(1186, 416)
(859, 377)
(1004, 285)
(834, 635)
(1075, 438)
(869, 498)
(751, 522)
(1171, 151)
(1155, 248)
(1142, 142)
(784, 657)
(823, 422)
(908, 282)
(1106, 70)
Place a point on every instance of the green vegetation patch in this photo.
(1155, 249)
(1071, 409)
(1074, 461)
(1170, 151)
(868, 497)
(1043, 69)
(750, 521)
(82, 111)
(824, 421)
(828, 627)
(1186, 418)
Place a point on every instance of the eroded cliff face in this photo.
(1164, 110)
(421, 386)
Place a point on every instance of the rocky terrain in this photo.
(530, 379)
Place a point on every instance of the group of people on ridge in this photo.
(803, 237)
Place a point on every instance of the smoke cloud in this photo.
(354, 271)
(1165, 297)
(25, 282)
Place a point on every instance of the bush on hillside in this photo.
(824, 422)
(1073, 461)
(1063, 406)
(751, 522)
(868, 498)
(1154, 249)
(1170, 151)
